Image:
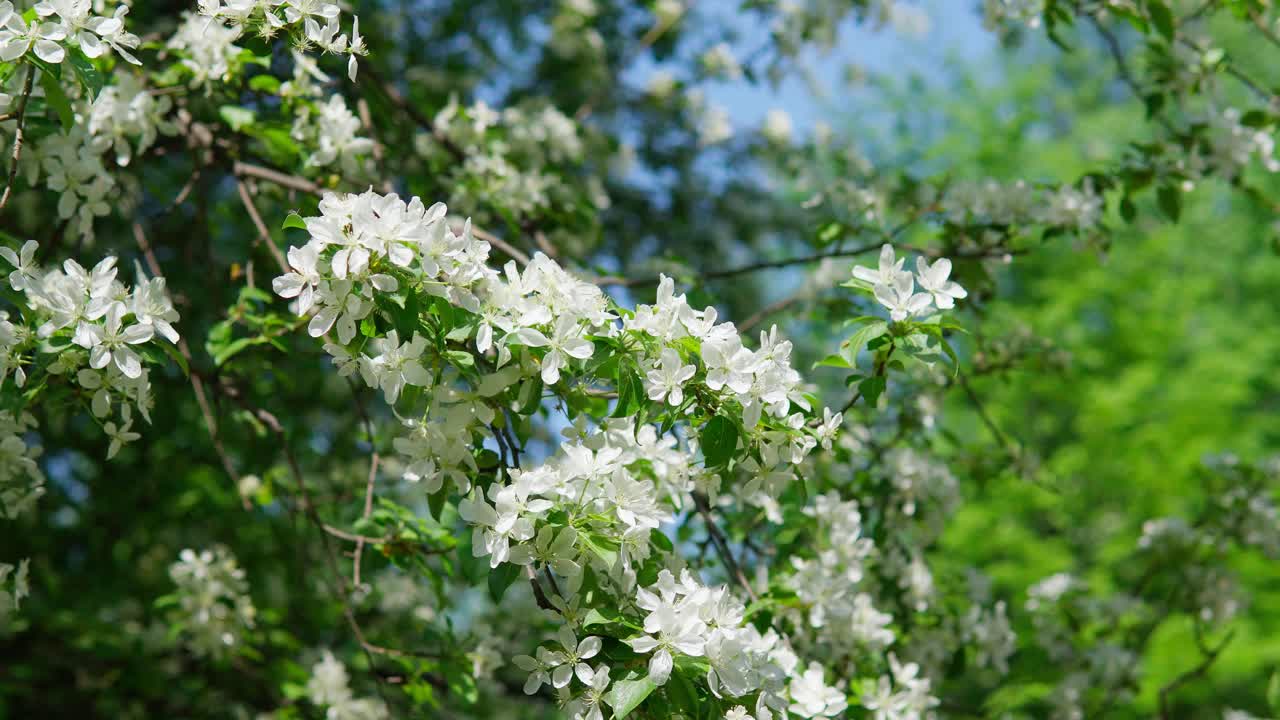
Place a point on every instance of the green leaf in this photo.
(459, 334)
(719, 441)
(500, 578)
(871, 388)
(235, 347)
(461, 683)
(1128, 210)
(865, 335)
(595, 617)
(461, 358)
(57, 100)
(1170, 200)
(835, 361)
(682, 694)
(293, 220)
(265, 83)
(1273, 693)
(236, 117)
(1255, 119)
(630, 391)
(45, 68)
(659, 539)
(1014, 696)
(530, 396)
(829, 232)
(435, 502)
(627, 695)
(1162, 18)
(90, 79)
(177, 357)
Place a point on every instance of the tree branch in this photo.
(197, 383)
(1210, 656)
(18, 134)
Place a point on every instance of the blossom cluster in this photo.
(332, 134)
(63, 24)
(21, 480)
(21, 485)
(311, 23)
(212, 603)
(828, 584)
(14, 587)
(1232, 144)
(1023, 12)
(510, 159)
(611, 480)
(598, 501)
(894, 287)
(84, 324)
(120, 124)
(208, 50)
(329, 688)
(1019, 202)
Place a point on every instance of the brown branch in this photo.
(620, 281)
(1122, 66)
(353, 537)
(775, 307)
(264, 235)
(722, 545)
(295, 182)
(368, 508)
(538, 595)
(309, 509)
(197, 384)
(18, 134)
(501, 244)
(1194, 673)
(400, 101)
(980, 408)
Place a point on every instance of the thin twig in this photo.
(1196, 672)
(651, 36)
(197, 384)
(501, 244)
(775, 307)
(1122, 66)
(986, 418)
(355, 538)
(263, 233)
(368, 508)
(283, 179)
(309, 509)
(400, 101)
(722, 545)
(620, 281)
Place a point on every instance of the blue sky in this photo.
(955, 30)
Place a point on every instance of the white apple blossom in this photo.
(933, 280)
(667, 379)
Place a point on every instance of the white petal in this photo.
(322, 322)
(50, 52)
